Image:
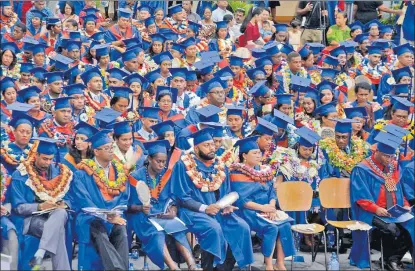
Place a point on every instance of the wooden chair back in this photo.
(335, 193)
(294, 196)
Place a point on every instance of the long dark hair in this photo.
(251, 13)
(114, 100)
(76, 154)
(11, 67)
(69, 3)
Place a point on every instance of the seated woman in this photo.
(31, 95)
(166, 98)
(325, 113)
(238, 128)
(137, 84)
(306, 116)
(154, 241)
(257, 199)
(154, 79)
(121, 102)
(165, 131)
(359, 114)
(80, 149)
(222, 43)
(9, 92)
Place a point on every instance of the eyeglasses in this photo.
(108, 148)
(218, 92)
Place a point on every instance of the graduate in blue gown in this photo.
(162, 208)
(30, 194)
(255, 186)
(238, 128)
(374, 188)
(7, 84)
(408, 182)
(214, 228)
(103, 235)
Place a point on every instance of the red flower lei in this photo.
(94, 104)
(49, 127)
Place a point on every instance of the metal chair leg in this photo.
(325, 250)
(312, 248)
(381, 253)
(292, 262)
(368, 242)
(337, 242)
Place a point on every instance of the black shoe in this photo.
(393, 266)
(36, 263)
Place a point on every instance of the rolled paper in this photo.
(228, 200)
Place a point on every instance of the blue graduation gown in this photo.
(192, 115)
(214, 233)
(365, 185)
(6, 224)
(14, 150)
(251, 191)
(408, 181)
(152, 239)
(4, 116)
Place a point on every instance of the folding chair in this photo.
(335, 193)
(297, 197)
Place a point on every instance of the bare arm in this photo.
(384, 8)
(305, 10)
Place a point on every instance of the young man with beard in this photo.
(95, 98)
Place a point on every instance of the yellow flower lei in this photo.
(111, 184)
(411, 127)
(338, 158)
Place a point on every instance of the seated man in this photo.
(39, 185)
(375, 187)
(200, 181)
(102, 183)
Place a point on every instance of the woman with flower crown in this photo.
(257, 200)
(162, 209)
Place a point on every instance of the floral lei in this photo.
(113, 187)
(286, 73)
(12, 159)
(54, 189)
(94, 104)
(5, 182)
(342, 160)
(286, 161)
(49, 127)
(204, 184)
(411, 127)
(309, 122)
(263, 175)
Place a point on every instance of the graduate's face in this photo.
(7, 11)
(308, 62)
(90, 26)
(405, 80)
(56, 87)
(36, 21)
(326, 96)
(179, 83)
(159, 15)
(170, 137)
(276, 59)
(206, 150)
(342, 59)
(22, 134)
(400, 117)
(148, 122)
(25, 77)
(74, 54)
(374, 31)
(7, 58)
(222, 33)
(384, 158)
(78, 101)
(216, 96)
(157, 47)
(136, 87)
(43, 161)
(357, 126)
(305, 152)
(105, 152)
(165, 103)
(253, 157)
(264, 142)
(342, 139)
(35, 101)
(114, 82)
(95, 84)
(236, 70)
(268, 70)
(9, 95)
(406, 59)
(235, 123)
(143, 14)
(295, 64)
(104, 60)
(157, 162)
(387, 36)
(374, 59)
(308, 105)
(362, 95)
(121, 105)
(18, 33)
(80, 143)
(63, 116)
(286, 109)
(165, 66)
(39, 59)
(124, 141)
(123, 22)
(218, 142)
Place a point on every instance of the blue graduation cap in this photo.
(252, 73)
(236, 61)
(217, 128)
(74, 89)
(47, 146)
(177, 47)
(131, 42)
(195, 27)
(371, 50)
(73, 45)
(235, 110)
(372, 23)
(54, 76)
(101, 50)
(191, 76)
(209, 113)
(284, 98)
(316, 48)
(224, 73)
(90, 18)
(84, 128)
(204, 67)
(221, 24)
(349, 46)
(87, 75)
(175, 9)
(361, 38)
(19, 108)
(10, 46)
(165, 56)
(117, 73)
(396, 130)
(62, 62)
(401, 89)
(73, 35)
(120, 128)
(26, 67)
(402, 49)
(7, 82)
(39, 73)
(158, 37)
(99, 139)
(135, 77)
(399, 73)
(387, 143)
(5, 3)
(286, 48)
(329, 72)
(123, 92)
(271, 48)
(38, 14)
(325, 109)
(188, 42)
(124, 13)
(178, 72)
(344, 126)
(281, 120)
(23, 118)
(129, 55)
(150, 112)
(247, 144)
(326, 85)
(267, 60)
(39, 48)
(265, 127)
(308, 138)
(158, 146)
(202, 135)
(172, 92)
(210, 57)
(145, 8)
(62, 102)
(386, 29)
(281, 28)
(90, 10)
(163, 127)
(312, 93)
(153, 76)
(356, 112)
(29, 92)
(356, 25)
(258, 53)
(304, 52)
(259, 89)
(338, 51)
(298, 83)
(98, 36)
(215, 82)
(170, 35)
(52, 21)
(28, 43)
(149, 21)
(106, 116)
(401, 103)
(72, 73)
(331, 60)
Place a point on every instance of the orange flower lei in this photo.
(204, 184)
(11, 159)
(53, 189)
